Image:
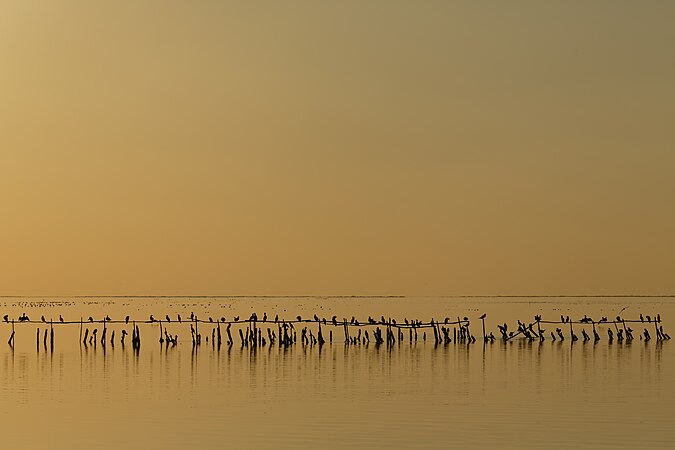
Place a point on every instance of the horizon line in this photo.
(348, 296)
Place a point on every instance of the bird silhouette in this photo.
(236, 318)
(60, 318)
(179, 321)
(43, 319)
(152, 319)
(168, 319)
(483, 316)
(299, 319)
(642, 319)
(91, 319)
(126, 319)
(5, 318)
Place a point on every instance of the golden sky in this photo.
(383, 147)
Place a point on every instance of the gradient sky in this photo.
(381, 147)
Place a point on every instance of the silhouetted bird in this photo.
(447, 319)
(107, 318)
(126, 319)
(264, 317)
(91, 319)
(466, 319)
(276, 318)
(152, 319)
(168, 319)
(210, 319)
(483, 316)
(60, 318)
(192, 316)
(642, 319)
(222, 319)
(316, 318)
(236, 318)
(43, 319)
(649, 319)
(299, 319)
(562, 318)
(334, 320)
(5, 318)
(179, 318)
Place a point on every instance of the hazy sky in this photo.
(365, 147)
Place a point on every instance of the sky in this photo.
(330, 148)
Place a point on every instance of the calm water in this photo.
(413, 395)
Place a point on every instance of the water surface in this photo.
(412, 395)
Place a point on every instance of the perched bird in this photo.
(210, 319)
(334, 320)
(265, 317)
(483, 316)
(642, 319)
(316, 318)
(168, 319)
(91, 319)
(447, 319)
(107, 318)
(649, 319)
(126, 319)
(276, 318)
(60, 318)
(5, 318)
(299, 319)
(222, 319)
(179, 318)
(43, 319)
(152, 319)
(236, 318)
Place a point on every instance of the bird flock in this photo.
(260, 331)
